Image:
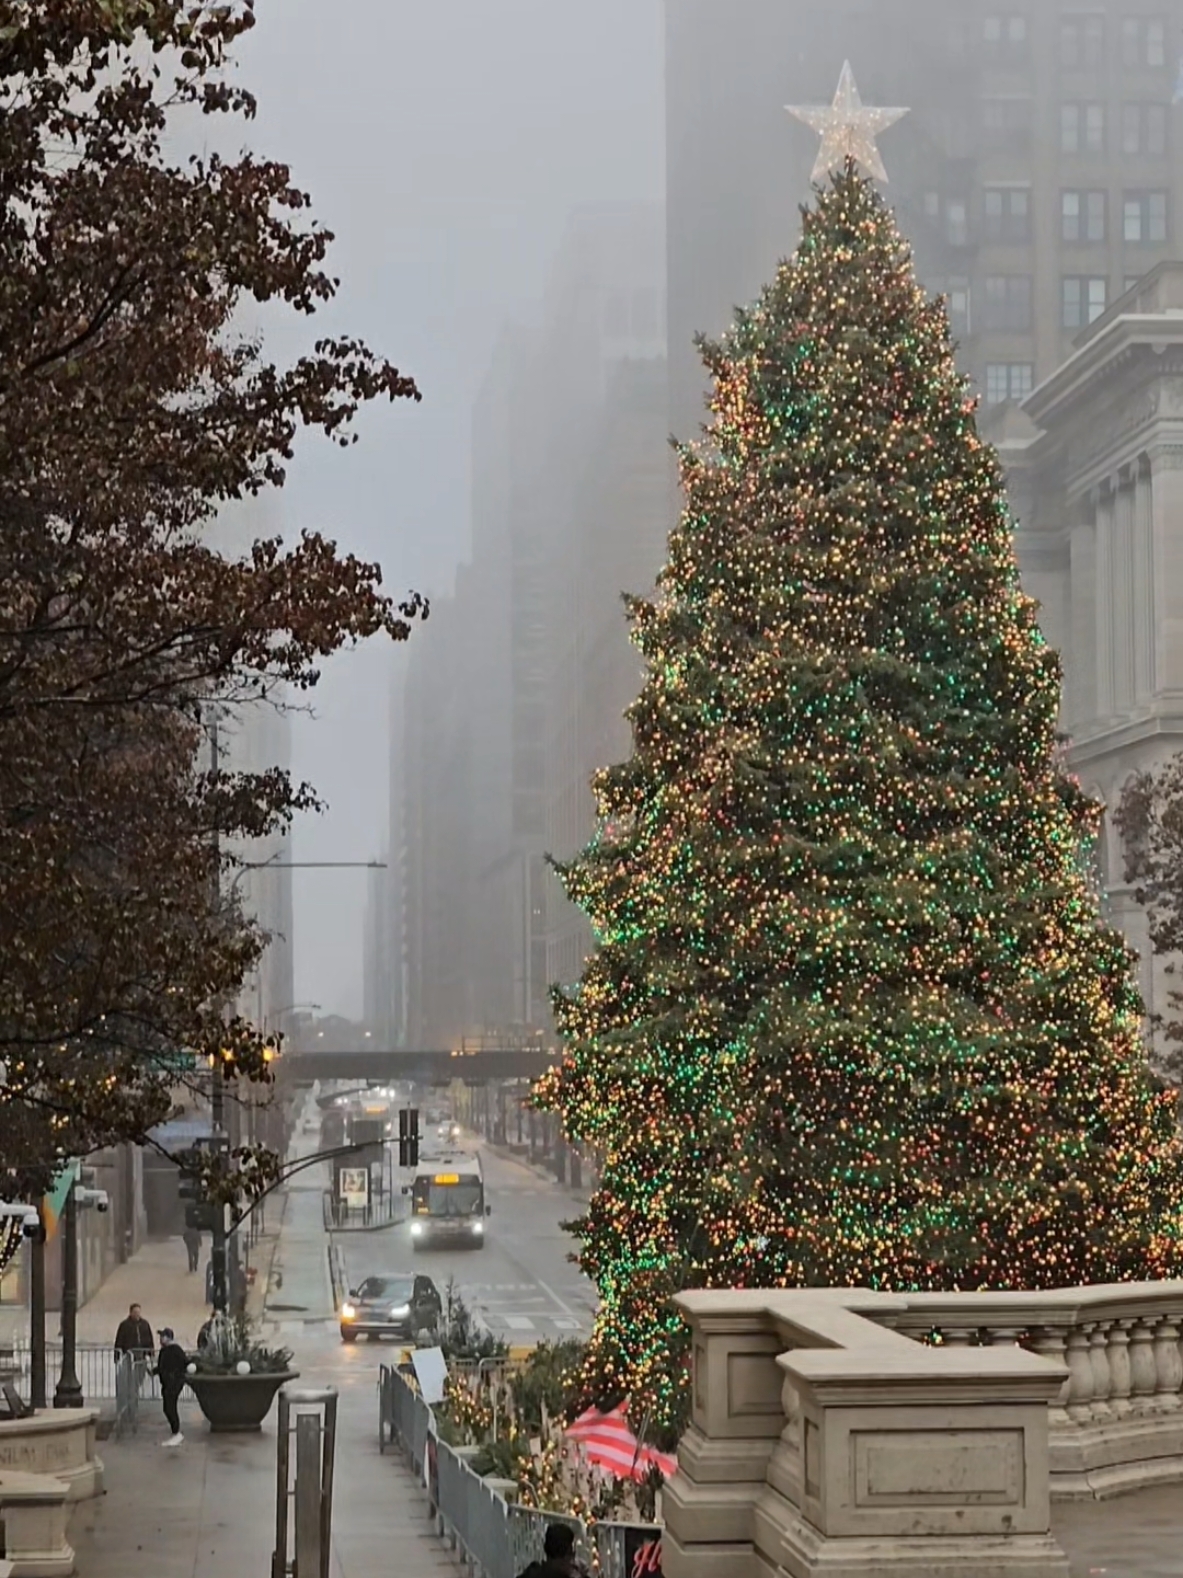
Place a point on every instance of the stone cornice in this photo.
(1119, 345)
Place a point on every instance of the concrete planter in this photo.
(237, 1402)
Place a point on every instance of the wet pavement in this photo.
(1135, 1536)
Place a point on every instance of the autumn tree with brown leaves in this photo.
(132, 410)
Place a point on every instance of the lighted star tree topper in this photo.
(853, 1017)
(848, 129)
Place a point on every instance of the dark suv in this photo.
(397, 1304)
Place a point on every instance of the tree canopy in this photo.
(134, 407)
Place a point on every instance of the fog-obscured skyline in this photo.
(445, 145)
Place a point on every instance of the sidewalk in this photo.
(156, 1277)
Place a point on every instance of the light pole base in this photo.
(68, 1394)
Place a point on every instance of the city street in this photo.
(206, 1509)
(521, 1283)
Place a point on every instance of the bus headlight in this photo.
(416, 1229)
(478, 1228)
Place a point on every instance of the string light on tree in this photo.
(853, 1017)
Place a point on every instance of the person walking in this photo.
(192, 1240)
(560, 1560)
(172, 1367)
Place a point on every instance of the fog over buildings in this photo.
(537, 215)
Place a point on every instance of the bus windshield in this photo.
(463, 1198)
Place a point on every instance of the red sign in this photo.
(642, 1553)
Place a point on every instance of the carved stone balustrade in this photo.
(1117, 1423)
(825, 1440)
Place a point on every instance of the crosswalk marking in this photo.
(562, 1324)
(517, 1322)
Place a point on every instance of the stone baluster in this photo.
(1167, 1368)
(1050, 1343)
(1005, 1336)
(1143, 1370)
(1119, 1369)
(958, 1336)
(1098, 1334)
(1080, 1376)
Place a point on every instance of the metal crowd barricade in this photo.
(496, 1538)
(127, 1396)
(97, 1369)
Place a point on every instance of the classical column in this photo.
(1144, 572)
(1082, 625)
(1104, 602)
(1166, 466)
(1122, 601)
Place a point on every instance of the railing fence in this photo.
(104, 1377)
(496, 1537)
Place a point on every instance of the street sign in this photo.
(354, 1187)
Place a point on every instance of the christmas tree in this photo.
(853, 1018)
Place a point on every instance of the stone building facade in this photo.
(1098, 495)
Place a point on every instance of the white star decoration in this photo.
(848, 129)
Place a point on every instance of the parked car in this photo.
(393, 1304)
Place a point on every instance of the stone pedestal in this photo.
(57, 1441)
(825, 1443)
(33, 1511)
(915, 1461)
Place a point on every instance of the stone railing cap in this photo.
(50, 1421)
(1000, 1374)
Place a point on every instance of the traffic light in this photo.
(200, 1212)
(408, 1137)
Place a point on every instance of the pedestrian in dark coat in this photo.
(172, 1369)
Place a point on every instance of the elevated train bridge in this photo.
(375, 1067)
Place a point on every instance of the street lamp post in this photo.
(37, 1315)
(68, 1392)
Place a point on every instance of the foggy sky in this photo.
(445, 142)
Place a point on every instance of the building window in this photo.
(1004, 37)
(1008, 381)
(1083, 300)
(1143, 42)
(1144, 130)
(1008, 303)
(1006, 124)
(956, 293)
(1082, 216)
(1082, 128)
(1144, 217)
(1008, 213)
(1082, 42)
(951, 214)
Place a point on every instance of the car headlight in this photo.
(347, 1312)
(400, 1311)
(478, 1227)
(416, 1229)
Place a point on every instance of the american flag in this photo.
(608, 1440)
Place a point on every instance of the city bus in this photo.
(448, 1203)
